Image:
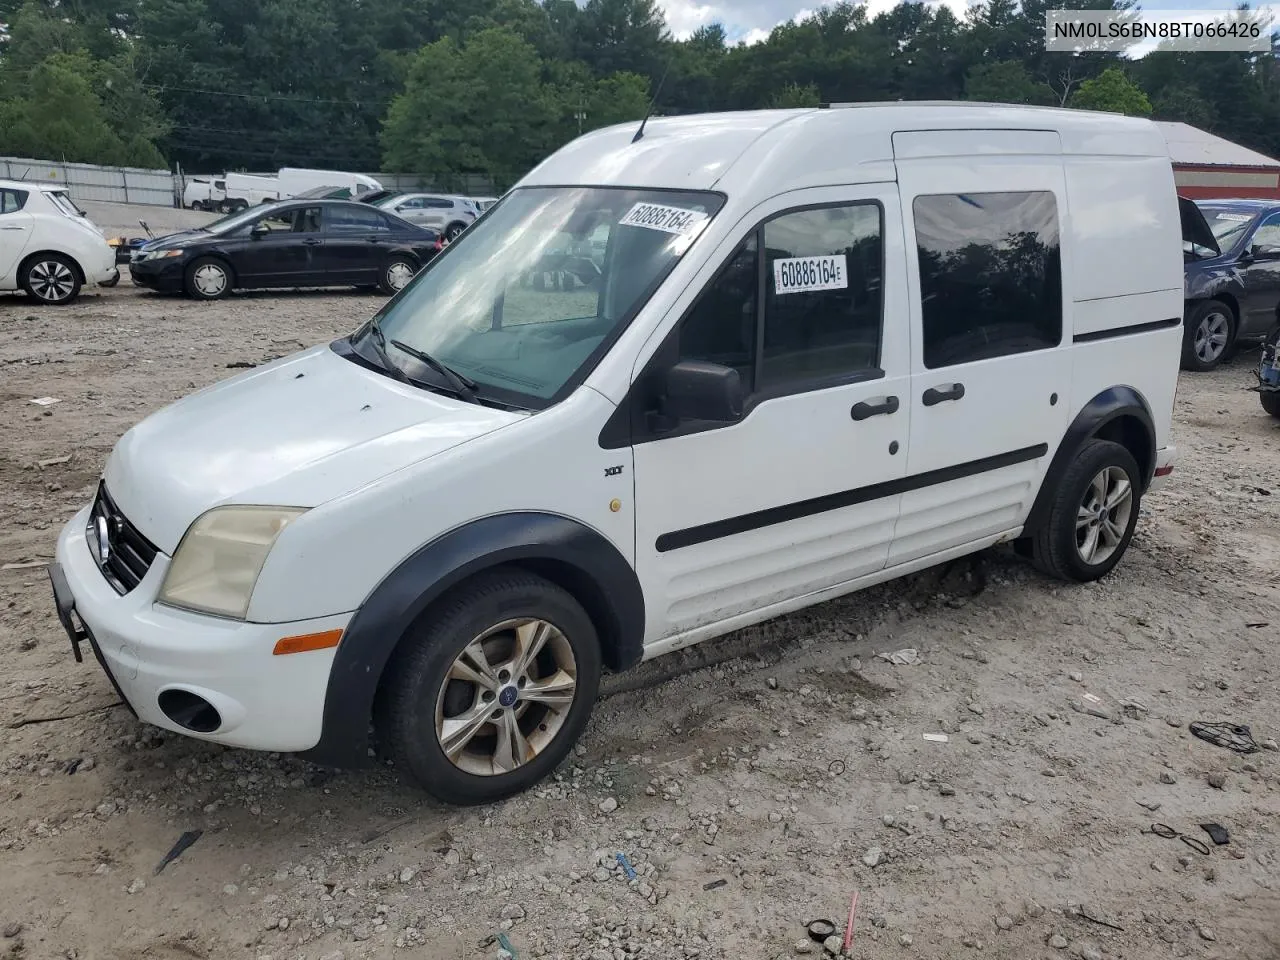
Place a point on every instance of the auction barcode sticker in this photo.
(806, 274)
(1236, 217)
(655, 216)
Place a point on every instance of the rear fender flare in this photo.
(1110, 407)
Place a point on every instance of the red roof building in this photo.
(1206, 167)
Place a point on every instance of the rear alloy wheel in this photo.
(397, 274)
(1209, 334)
(208, 279)
(491, 696)
(51, 278)
(454, 231)
(1093, 516)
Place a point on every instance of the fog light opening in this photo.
(190, 711)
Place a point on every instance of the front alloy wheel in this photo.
(51, 279)
(1210, 329)
(489, 695)
(506, 697)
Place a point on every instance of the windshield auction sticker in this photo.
(1236, 217)
(806, 274)
(654, 216)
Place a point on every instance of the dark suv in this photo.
(1231, 252)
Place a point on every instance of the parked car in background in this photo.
(295, 181)
(200, 193)
(447, 214)
(484, 203)
(48, 247)
(239, 191)
(1232, 276)
(291, 243)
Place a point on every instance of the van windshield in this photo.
(525, 302)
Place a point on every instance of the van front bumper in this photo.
(262, 701)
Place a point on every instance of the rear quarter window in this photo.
(11, 201)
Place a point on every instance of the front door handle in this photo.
(861, 411)
(12, 228)
(936, 395)
(312, 242)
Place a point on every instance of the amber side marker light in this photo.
(307, 641)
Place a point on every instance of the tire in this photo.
(393, 278)
(1056, 548)
(201, 282)
(1209, 335)
(454, 231)
(419, 696)
(50, 279)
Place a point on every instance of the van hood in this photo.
(296, 432)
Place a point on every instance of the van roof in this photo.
(791, 149)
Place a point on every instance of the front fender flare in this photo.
(535, 540)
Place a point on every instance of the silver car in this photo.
(447, 215)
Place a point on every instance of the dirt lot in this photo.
(787, 760)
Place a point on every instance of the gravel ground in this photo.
(787, 761)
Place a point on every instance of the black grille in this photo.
(129, 554)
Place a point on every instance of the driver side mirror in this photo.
(697, 390)
(260, 229)
(1259, 252)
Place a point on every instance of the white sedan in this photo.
(47, 247)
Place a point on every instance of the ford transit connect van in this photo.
(820, 349)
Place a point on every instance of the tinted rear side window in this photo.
(11, 201)
(355, 220)
(990, 275)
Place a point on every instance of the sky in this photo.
(752, 20)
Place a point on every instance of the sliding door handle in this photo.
(861, 411)
(936, 395)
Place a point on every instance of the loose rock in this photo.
(608, 805)
(1058, 942)
(1004, 923)
(11, 930)
(873, 857)
(1217, 779)
(804, 946)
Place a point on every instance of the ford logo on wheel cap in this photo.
(508, 696)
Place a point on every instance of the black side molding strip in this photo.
(845, 498)
(1126, 331)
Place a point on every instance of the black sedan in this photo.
(292, 243)
(1231, 276)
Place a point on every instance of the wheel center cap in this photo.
(508, 696)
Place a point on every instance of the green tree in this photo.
(1113, 91)
(58, 116)
(1005, 81)
(795, 95)
(478, 108)
(1182, 102)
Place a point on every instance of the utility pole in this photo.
(580, 116)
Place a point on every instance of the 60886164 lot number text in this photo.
(804, 274)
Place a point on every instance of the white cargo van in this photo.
(296, 180)
(791, 354)
(240, 191)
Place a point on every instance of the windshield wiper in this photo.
(463, 385)
(378, 339)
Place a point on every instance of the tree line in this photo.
(452, 87)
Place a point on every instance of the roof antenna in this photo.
(648, 113)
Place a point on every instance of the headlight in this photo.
(162, 254)
(216, 565)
